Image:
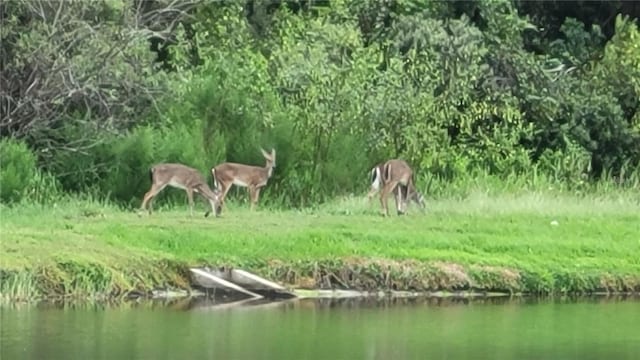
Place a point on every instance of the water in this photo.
(430, 329)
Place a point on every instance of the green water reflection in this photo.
(602, 328)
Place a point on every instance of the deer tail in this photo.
(387, 172)
(213, 176)
(376, 177)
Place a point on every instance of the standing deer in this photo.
(252, 177)
(181, 177)
(394, 176)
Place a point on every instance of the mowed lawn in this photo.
(544, 232)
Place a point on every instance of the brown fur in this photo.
(180, 176)
(397, 178)
(252, 177)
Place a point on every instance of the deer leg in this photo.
(190, 199)
(198, 190)
(223, 193)
(214, 201)
(255, 194)
(147, 200)
(399, 198)
(406, 199)
(384, 194)
(150, 203)
(215, 208)
(383, 203)
(147, 196)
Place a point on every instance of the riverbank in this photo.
(528, 243)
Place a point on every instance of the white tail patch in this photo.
(376, 180)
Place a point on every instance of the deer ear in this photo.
(273, 152)
(264, 153)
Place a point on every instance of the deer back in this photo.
(241, 173)
(177, 175)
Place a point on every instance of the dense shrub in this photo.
(20, 178)
(17, 169)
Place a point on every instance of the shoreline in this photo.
(200, 300)
(327, 282)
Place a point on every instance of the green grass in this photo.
(486, 242)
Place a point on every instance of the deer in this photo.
(181, 177)
(254, 178)
(395, 176)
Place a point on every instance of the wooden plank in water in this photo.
(250, 281)
(208, 280)
(254, 281)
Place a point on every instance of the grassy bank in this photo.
(537, 242)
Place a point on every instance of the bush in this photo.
(17, 169)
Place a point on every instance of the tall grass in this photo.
(533, 180)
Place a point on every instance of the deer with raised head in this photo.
(181, 177)
(395, 176)
(254, 178)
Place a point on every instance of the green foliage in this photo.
(458, 89)
(87, 63)
(131, 159)
(17, 169)
(20, 178)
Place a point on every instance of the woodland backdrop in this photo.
(94, 92)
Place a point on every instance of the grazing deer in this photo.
(252, 177)
(181, 177)
(394, 176)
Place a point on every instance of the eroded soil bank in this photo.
(97, 281)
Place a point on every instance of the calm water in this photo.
(426, 329)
